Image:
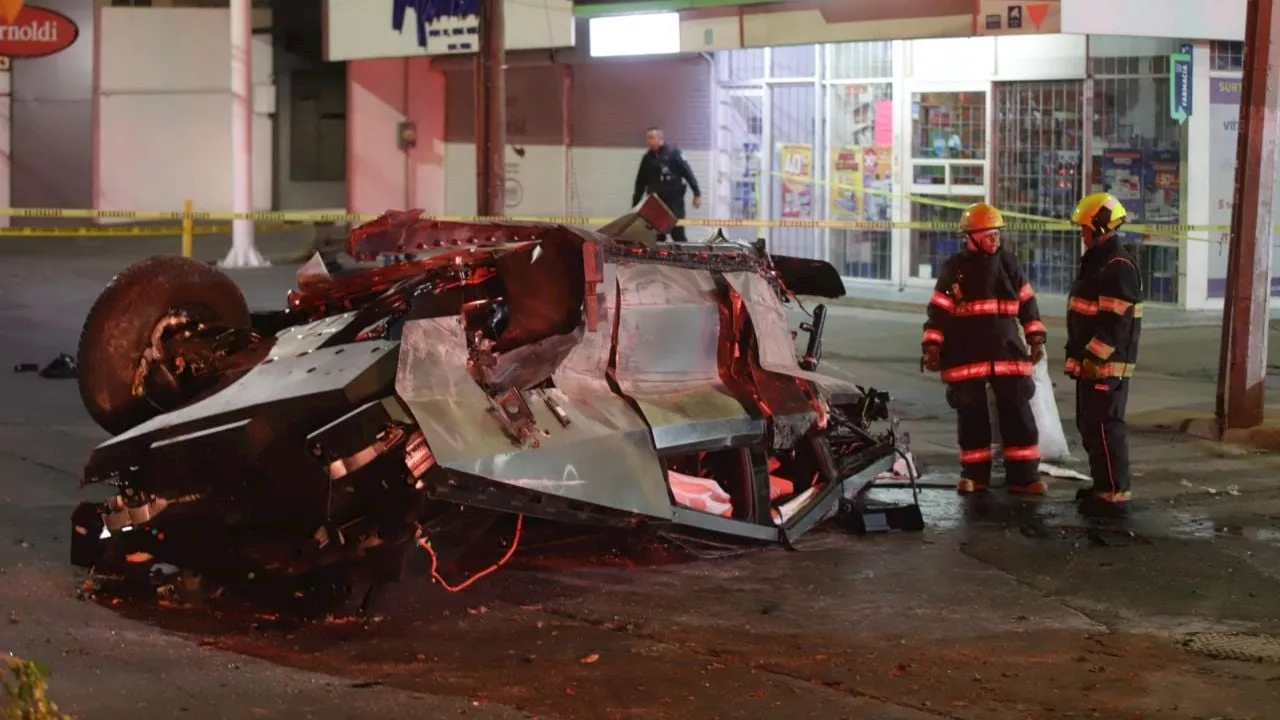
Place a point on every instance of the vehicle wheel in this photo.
(118, 330)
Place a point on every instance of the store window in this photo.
(948, 171)
(793, 61)
(737, 67)
(1137, 147)
(859, 158)
(861, 61)
(1039, 145)
(795, 194)
(1226, 55)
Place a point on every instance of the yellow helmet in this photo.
(1100, 211)
(981, 216)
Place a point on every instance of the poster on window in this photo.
(1122, 176)
(797, 181)
(862, 180)
(1162, 186)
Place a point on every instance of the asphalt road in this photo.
(999, 610)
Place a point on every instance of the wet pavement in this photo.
(1002, 608)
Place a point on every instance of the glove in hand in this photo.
(1037, 353)
(932, 360)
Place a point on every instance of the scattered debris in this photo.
(62, 367)
(1058, 471)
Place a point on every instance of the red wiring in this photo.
(425, 544)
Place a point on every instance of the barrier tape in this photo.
(130, 231)
(285, 219)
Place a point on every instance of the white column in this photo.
(1193, 255)
(243, 252)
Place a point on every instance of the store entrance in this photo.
(948, 168)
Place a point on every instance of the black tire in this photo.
(118, 330)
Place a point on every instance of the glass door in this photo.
(947, 167)
(741, 129)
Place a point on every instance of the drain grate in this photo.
(1247, 647)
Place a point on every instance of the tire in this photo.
(118, 330)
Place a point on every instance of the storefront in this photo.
(910, 131)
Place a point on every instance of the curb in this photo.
(1202, 425)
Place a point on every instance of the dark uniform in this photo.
(1104, 322)
(664, 172)
(978, 304)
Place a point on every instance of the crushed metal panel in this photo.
(359, 371)
(603, 456)
(668, 358)
(777, 348)
(300, 340)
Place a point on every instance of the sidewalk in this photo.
(1053, 307)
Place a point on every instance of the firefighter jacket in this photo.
(664, 173)
(978, 306)
(1104, 312)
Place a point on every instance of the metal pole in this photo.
(244, 252)
(1242, 378)
(491, 112)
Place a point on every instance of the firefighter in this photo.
(982, 308)
(664, 172)
(1104, 321)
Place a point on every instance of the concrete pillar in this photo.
(1243, 373)
(1193, 288)
(491, 112)
(244, 252)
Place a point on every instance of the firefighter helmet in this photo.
(980, 216)
(1100, 212)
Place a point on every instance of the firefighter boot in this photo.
(969, 486)
(1103, 505)
(1033, 488)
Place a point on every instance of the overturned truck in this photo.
(598, 378)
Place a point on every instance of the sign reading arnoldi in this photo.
(31, 32)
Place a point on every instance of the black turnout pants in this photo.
(1018, 431)
(1100, 409)
(677, 209)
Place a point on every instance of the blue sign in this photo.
(459, 32)
(1180, 87)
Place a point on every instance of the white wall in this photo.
(1216, 20)
(164, 110)
(600, 183)
(1005, 59)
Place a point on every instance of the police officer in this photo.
(1104, 322)
(982, 307)
(664, 172)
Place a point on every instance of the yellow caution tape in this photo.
(282, 220)
(97, 231)
(1035, 222)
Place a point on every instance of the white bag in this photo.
(1053, 441)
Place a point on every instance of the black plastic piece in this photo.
(813, 350)
(86, 534)
(864, 517)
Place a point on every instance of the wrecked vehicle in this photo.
(598, 378)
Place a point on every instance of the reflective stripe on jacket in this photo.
(1104, 312)
(981, 306)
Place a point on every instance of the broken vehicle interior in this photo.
(592, 378)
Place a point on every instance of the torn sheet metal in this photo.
(358, 375)
(591, 459)
(300, 340)
(668, 359)
(773, 334)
